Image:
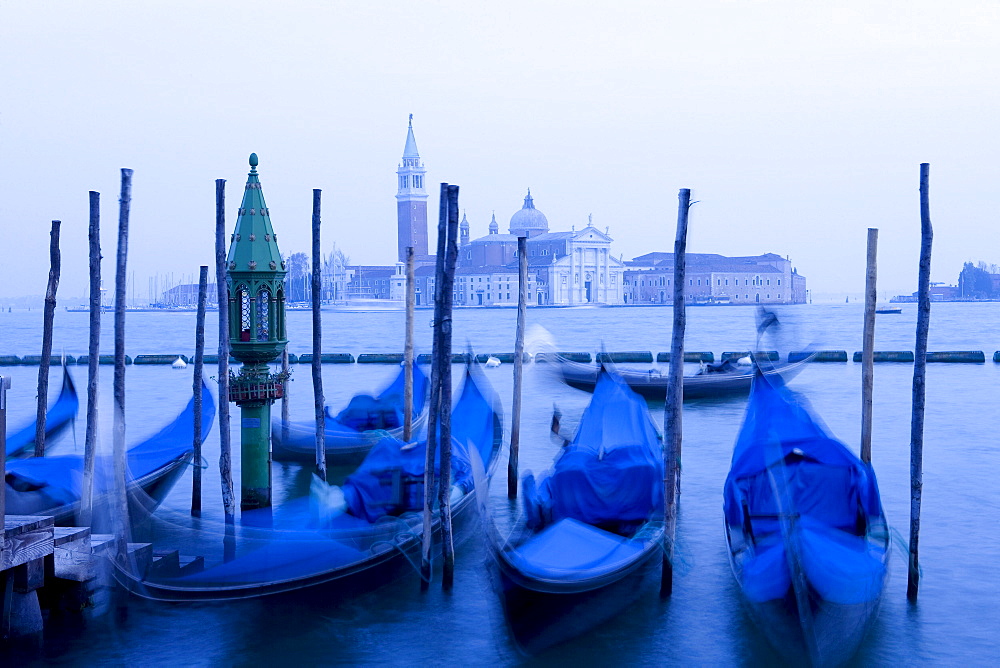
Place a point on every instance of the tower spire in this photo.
(411, 201)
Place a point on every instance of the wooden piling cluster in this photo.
(439, 410)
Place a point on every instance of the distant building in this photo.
(187, 295)
(715, 279)
(939, 292)
(565, 268)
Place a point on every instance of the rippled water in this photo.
(955, 620)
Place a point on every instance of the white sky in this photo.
(796, 125)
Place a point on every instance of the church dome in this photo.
(529, 219)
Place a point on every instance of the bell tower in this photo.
(411, 202)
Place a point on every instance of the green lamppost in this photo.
(256, 336)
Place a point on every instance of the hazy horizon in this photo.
(796, 126)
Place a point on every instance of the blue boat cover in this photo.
(612, 471)
(574, 549)
(286, 559)
(56, 418)
(391, 478)
(788, 468)
(62, 476)
(365, 412)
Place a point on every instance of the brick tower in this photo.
(411, 202)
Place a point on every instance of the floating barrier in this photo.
(35, 360)
(688, 357)
(638, 356)
(425, 358)
(572, 357)
(818, 355)
(214, 359)
(328, 358)
(888, 356)
(109, 359)
(996, 356)
(378, 358)
(14, 360)
(771, 355)
(158, 359)
(958, 356)
(505, 358)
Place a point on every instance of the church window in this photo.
(576, 279)
(690, 281)
(769, 281)
(727, 281)
(508, 296)
(532, 253)
(779, 283)
(699, 281)
(418, 181)
(468, 256)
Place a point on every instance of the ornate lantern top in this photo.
(255, 275)
(253, 246)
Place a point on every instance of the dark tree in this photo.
(297, 278)
(975, 282)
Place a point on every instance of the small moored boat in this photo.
(593, 531)
(52, 485)
(373, 536)
(724, 379)
(808, 539)
(59, 416)
(351, 433)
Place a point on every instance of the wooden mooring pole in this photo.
(408, 348)
(199, 368)
(225, 444)
(4, 386)
(434, 407)
(868, 348)
(672, 431)
(284, 396)
(93, 361)
(45, 362)
(444, 479)
(120, 503)
(919, 384)
(317, 339)
(515, 416)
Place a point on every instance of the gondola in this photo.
(592, 529)
(808, 539)
(370, 539)
(723, 380)
(59, 416)
(351, 433)
(52, 485)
